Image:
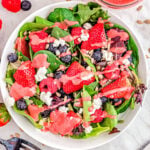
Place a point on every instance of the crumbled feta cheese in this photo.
(46, 98)
(126, 62)
(10, 101)
(63, 109)
(88, 68)
(40, 75)
(88, 129)
(80, 111)
(58, 42)
(108, 56)
(84, 36)
(87, 26)
(87, 77)
(57, 52)
(97, 103)
(26, 97)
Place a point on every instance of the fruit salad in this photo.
(74, 72)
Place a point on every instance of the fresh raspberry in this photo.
(76, 33)
(39, 45)
(49, 85)
(75, 69)
(12, 5)
(0, 24)
(97, 38)
(25, 74)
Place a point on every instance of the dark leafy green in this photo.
(31, 53)
(110, 122)
(22, 57)
(52, 59)
(43, 21)
(23, 113)
(37, 101)
(91, 88)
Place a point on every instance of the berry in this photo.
(25, 5)
(97, 55)
(117, 101)
(76, 32)
(12, 57)
(52, 48)
(46, 113)
(25, 74)
(58, 74)
(104, 99)
(4, 115)
(12, 5)
(83, 63)
(21, 104)
(75, 69)
(63, 48)
(0, 24)
(97, 38)
(48, 85)
(66, 59)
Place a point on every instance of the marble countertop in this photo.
(138, 134)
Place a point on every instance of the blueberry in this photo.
(117, 100)
(63, 48)
(83, 63)
(25, 5)
(12, 57)
(97, 55)
(21, 104)
(58, 74)
(66, 59)
(52, 48)
(61, 91)
(104, 99)
(46, 113)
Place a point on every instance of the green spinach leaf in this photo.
(31, 53)
(91, 88)
(109, 122)
(43, 21)
(23, 113)
(21, 56)
(37, 101)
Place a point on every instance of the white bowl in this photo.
(55, 140)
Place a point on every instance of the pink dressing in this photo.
(65, 53)
(39, 61)
(68, 38)
(113, 33)
(17, 91)
(78, 102)
(62, 67)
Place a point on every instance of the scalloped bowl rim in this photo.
(49, 139)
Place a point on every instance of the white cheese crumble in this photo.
(63, 109)
(57, 52)
(58, 42)
(84, 36)
(97, 103)
(80, 111)
(26, 97)
(88, 129)
(108, 56)
(40, 75)
(10, 101)
(126, 62)
(46, 98)
(87, 26)
(88, 68)
(87, 77)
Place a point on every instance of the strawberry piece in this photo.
(39, 37)
(25, 74)
(22, 46)
(49, 85)
(63, 123)
(118, 89)
(12, 5)
(0, 24)
(34, 111)
(76, 83)
(113, 71)
(97, 38)
(4, 115)
(118, 47)
(76, 33)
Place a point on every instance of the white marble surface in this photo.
(139, 131)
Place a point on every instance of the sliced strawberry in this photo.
(12, 5)
(76, 33)
(118, 47)
(112, 71)
(97, 38)
(63, 123)
(37, 40)
(113, 33)
(75, 81)
(22, 46)
(0, 24)
(118, 89)
(34, 111)
(17, 91)
(25, 74)
(4, 115)
(49, 85)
